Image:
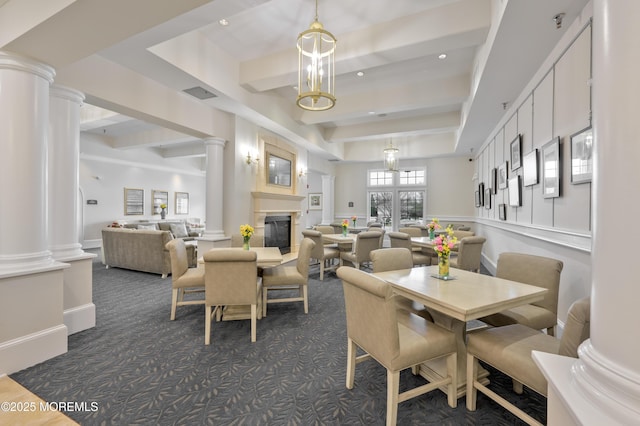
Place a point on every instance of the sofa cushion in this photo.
(179, 230)
(151, 226)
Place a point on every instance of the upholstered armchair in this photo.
(364, 244)
(320, 252)
(509, 348)
(393, 259)
(411, 230)
(184, 280)
(287, 278)
(469, 254)
(231, 278)
(535, 270)
(401, 239)
(395, 338)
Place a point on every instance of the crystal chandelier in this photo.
(316, 67)
(391, 158)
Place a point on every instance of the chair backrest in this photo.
(391, 259)
(230, 277)
(257, 240)
(371, 313)
(400, 239)
(462, 234)
(374, 225)
(412, 231)
(337, 227)
(179, 259)
(318, 249)
(535, 270)
(366, 242)
(304, 254)
(470, 253)
(463, 228)
(325, 229)
(381, 231)
(577, 328)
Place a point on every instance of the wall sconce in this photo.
(250, 160)
(302, 173)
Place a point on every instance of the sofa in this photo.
(140, 250)
(178, 228)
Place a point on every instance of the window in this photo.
(412, 177)
(381, 207)
(397, 206)
(411, 206)
(380, 178)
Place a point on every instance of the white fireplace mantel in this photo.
(269, 203)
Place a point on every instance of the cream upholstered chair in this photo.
(373, 225)
(337, 227)
(231, 278)
(325, 229)
(365, 242)
(469, 254)
(395, 338)
(320, 252)
(393, 259)
(257, 240)
(382, 232)
(411, 230)
(284, 277)
(508, 349)
(462, 234)
(535, 270)
(184, 280)
(400, 239)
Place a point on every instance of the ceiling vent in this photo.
(200, 93)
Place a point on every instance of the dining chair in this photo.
(365, 242)
(401, 239)
(393, 259)
(508, 349)
(287, 278)
(231, 279)
(395, 338)
(469, 254)
(535, 270)
(184, 280)
(411, 230)
(323, 254)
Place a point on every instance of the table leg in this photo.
(437, 369)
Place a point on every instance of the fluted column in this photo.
(328, 210)
(24, 108)
(603, 385)
(214, 188)
(63, 162)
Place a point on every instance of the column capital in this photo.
(66, 93)
(215, 141)
(21, 63)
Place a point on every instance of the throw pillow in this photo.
(151, 226)
(179, 230)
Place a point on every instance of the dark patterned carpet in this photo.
(142, 369)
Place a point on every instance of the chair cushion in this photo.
(509, 349)
(420, 340)
(194, 277)
(530, 315)
(282, 275)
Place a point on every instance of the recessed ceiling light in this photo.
(442, 56)
(223, 22)
(360, 73)
(372, 112)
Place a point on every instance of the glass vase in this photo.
(443, 265)
(245, 243)
(344, 231)
(432, 234)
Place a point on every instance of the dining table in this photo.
(464, 297)
(266, 257)
(339, 238)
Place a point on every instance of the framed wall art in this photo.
(315, 201)
(516, 153)
(582, 156)
(182, 203)
(481, 191)
(503, 175)
(487, 198)
(515, 195)
(478, 199)
(159, 198)
(551, 168)
(502, 211)
(494, 180)
(530, 167)
(133, 201)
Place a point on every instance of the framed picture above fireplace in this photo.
(278, 170)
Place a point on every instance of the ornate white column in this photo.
(24, 108)
(214, 188)
(328, 209)
(63, 162)
(603, 385)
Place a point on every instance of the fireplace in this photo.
(269, 205)
(277, 232)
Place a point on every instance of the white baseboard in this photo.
(92, 244)
(27, 351)
(80, 318)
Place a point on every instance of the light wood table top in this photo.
(267, 257)
(468, 296)
(339, 238)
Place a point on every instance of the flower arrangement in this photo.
(163, 206)
(246, 231)
(444, 243)
(345, 225)
(353, 219)
(434, 224)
